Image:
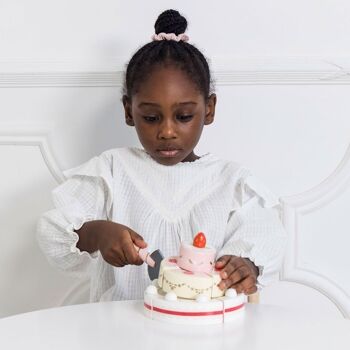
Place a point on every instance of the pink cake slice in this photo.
(196, 259)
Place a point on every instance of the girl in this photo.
(165, 193)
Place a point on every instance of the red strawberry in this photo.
(199, 240)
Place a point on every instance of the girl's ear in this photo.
(129, 120)
(210, 109)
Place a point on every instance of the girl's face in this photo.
(169, 113)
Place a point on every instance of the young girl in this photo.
(165, 193)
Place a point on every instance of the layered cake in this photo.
(187, 291)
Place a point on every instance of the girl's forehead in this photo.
(168, 82)
(173, 104)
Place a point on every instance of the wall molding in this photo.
(226, 71)
(37, 136)
(294, 208)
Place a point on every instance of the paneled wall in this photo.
(282, 80)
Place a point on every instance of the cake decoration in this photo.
(151, 289)
(230, 293)
(199, 240)
(201, 298)
(170, 296)
(196, 257)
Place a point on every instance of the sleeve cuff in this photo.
(70, 229)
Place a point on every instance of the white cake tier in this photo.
(187, 284)
(167, 307)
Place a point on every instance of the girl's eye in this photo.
(150, 118)
(184, 118)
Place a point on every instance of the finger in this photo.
(115, 260)
(222, 261)
(252, 266)
(126, 253)
(238, 275)
(129, 251)
(118, 262)
(113, 256)
(251, 290)
(137, 239)
(245, 286)
(233, 264)
(131, 254)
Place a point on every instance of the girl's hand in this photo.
(238, 273)
(114, 241)
(116, 244)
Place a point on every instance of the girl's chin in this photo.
(172, 157)
(166, 160)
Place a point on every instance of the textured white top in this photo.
(166, 205)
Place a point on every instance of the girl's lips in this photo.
(169, 153)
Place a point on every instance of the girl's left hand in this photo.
(238, 273)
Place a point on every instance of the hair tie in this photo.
(170, 36)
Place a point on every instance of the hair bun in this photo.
(170, 21)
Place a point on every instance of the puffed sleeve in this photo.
(255, 230)
(86, 195)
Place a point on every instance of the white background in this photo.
(282, 80)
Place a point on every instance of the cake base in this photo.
(183, 311)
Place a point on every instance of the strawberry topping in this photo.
(199, 240)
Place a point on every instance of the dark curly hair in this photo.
(180, 54)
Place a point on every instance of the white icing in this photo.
(201, 298)
(170, 296)
(230, 293)
(151, 290)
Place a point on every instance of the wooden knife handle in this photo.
(145, 256)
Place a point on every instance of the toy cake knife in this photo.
(152, 260)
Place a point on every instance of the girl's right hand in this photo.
(116, 244)
(114, 241)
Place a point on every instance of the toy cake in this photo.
(187, 291)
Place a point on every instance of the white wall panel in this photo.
(53, 30)
(27, 281)
(86, 120)
(299, 297)
(292, 136)
(317, 222)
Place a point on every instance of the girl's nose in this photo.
(167, 130)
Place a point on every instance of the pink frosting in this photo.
(196, 259)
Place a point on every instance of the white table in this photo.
(122, 325)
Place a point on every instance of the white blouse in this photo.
(165, 205)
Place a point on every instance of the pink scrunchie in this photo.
(170, 36)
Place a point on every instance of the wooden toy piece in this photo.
(253, 298)
(145, 256)
(199, 240)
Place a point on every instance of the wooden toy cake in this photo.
(187, 291)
